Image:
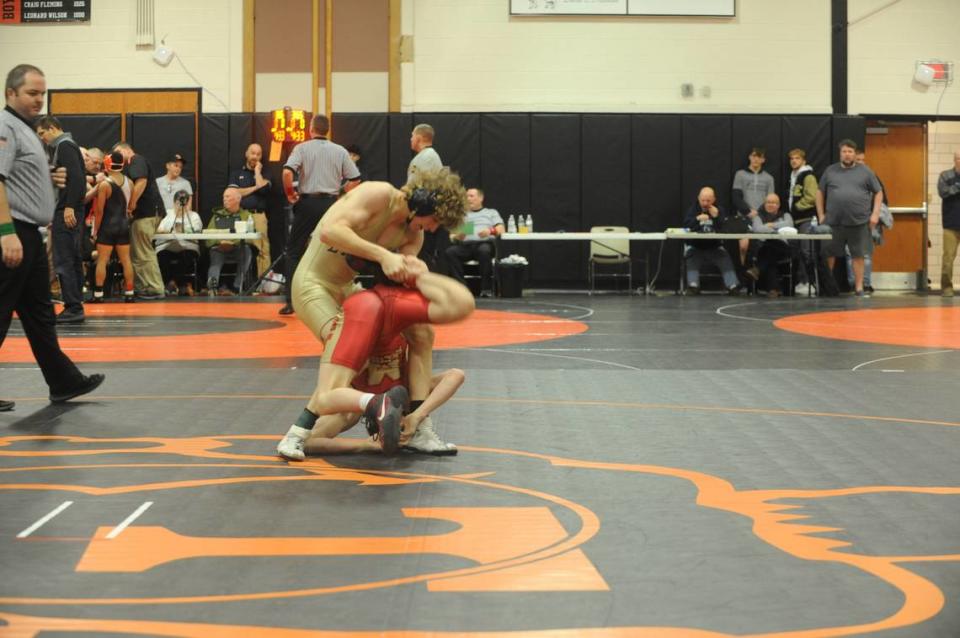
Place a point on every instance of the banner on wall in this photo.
(725, 8)
(40, 11)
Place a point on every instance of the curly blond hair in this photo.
(447, 192)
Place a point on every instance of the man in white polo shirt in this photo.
(475, 241)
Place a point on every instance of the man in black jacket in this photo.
(68, 216)
(706, 217)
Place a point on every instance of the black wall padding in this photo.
(848, 127)
(555, 196)
(605, 171)
(239, 137)
(763, 131)
(505, 162)
(100, 131)
(157, 136)
(706, 158)
(214, 164)
(657, 185)
(369, 132)
(812, 134)
(457, 140)
(400, 126)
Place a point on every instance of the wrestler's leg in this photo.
(324, 439)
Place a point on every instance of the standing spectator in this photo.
(751, 186)
(876, 234)
(67, 230)
(145, 204)
(427, 160)
(802, 206)
(253, 181)
(224, 250)
(112, 226)
(26, 204)
(704, 217)
(322, 167)
(849, 199)
(949, 188)
(487, 224)
(173, 182)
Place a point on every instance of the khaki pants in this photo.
(950, 240)
(263, 244)
(146, 270)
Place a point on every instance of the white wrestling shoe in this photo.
(291, 445)
(426, 441)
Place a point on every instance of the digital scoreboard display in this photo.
(289, 125)
(39, 11)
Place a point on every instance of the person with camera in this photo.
(706, 217)
(178, 257)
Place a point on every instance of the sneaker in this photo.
(149, 296)
(861, 294)
(7, 406)
(286, 310)
(693, 290)
(773, 294)
(802, 289)
(868, 289)
(291, 445)
(753, 273)
(486, 294)
(426, 441)
(86, 384)
(71, 316)
(128, 296)
(733, 292)
(384, 413)
(947, 292)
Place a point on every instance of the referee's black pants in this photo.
(26, 290)
(306, 215)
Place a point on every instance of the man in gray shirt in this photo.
(751, 186)
(26, 203)
(848, 199)
(484, 224)
(427, 160)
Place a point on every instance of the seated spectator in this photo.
(232, 250)
(487, 224)
(706, 217)
(172, 183)
(768, 253)
(178, 257)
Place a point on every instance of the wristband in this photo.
(7, 229)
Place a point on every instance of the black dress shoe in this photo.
(71, 316)
(286, 310)
(6, 406)
(86, 384)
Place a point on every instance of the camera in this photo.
(181, 198)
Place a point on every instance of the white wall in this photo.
(206, 34)
(885, 46)
(774, 57)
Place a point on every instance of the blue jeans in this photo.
(696, 257)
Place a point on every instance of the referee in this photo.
(26, 203)
(322, 167)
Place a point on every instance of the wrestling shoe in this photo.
(291, 445)
(86, 384)
(384, 413)
(426, 441)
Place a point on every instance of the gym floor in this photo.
(629, 466)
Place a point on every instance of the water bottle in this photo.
(521, 225)
(529, 223)
(511, 224)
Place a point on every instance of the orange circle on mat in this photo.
(290, 338)
(920, 326)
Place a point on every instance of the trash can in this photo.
(511, 279)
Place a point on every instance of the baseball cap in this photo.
(177, 157)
